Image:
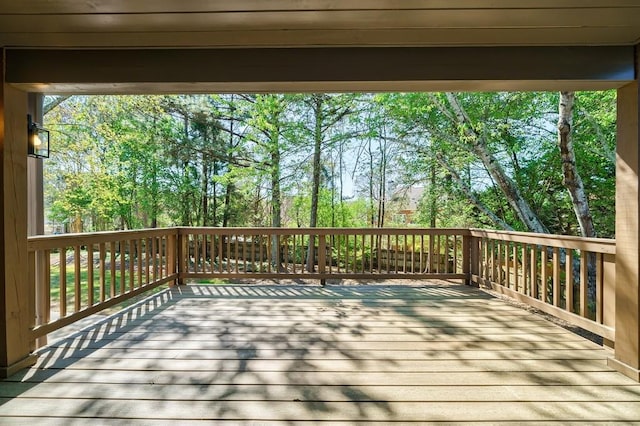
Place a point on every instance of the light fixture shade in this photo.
(38, 140)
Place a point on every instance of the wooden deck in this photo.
(341, 355)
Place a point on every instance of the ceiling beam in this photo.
(490, 68)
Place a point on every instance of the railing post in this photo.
(172, 256)
(322, 257)
(470, 258)
(183, 253)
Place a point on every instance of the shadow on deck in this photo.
(345, 355)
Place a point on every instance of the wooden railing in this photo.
(77, 275)
(569, 277)
(321, 253)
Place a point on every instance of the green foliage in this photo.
(331, 212)
(125, 162)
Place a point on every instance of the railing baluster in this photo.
(103, 272)
(363, 254)
(294, 251)
(584, 280)
(534, 271)
(221, 247)
(90, 278)
(196, 253)
(244, 252)
(404, 254)
(568, 287)
(421, 260)
(112, 269)
(499, 270)
(147, 260)
(162, 256)
(140, 264)
(132, 278)
(269, 249)
(396, 250)
(261, 255)
(525, 269)
(212, 252)
(599, 288)
(488, 259)
(123, 275)
(205, 247)
(322, 254)
(438, 253)
(507, 263)
(492, 258)
(545, 273)
(455, 254)
(556, 277)
(77, 275)
(63, 282)
(516, 267)
(46, 296)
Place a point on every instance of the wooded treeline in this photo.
(542, 162)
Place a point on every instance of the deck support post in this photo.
(322, 258)
(626, 357)
(470, 258)
(183, 256)
(17, 304)
(172, 257)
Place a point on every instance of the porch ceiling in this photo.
(286, 23)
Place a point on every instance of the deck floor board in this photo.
(237, 354)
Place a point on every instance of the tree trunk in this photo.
(570, 177)
(55, 101)
(480, 148)
(433, 201)
(382, 193)
(205, 191)
(276, 196)
(226, 214)
(315, 189)
(372, 196)
(573, 182)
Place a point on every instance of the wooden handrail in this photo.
(49, 242)
(599, 245)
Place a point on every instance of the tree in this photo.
(324, 113)
(571, 177)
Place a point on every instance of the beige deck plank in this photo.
(343, 355)
(336, 393)
(359, 378)
(371, 341)
(66, 421)
(424, 411)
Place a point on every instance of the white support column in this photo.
(16, 294)
(627, 291)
